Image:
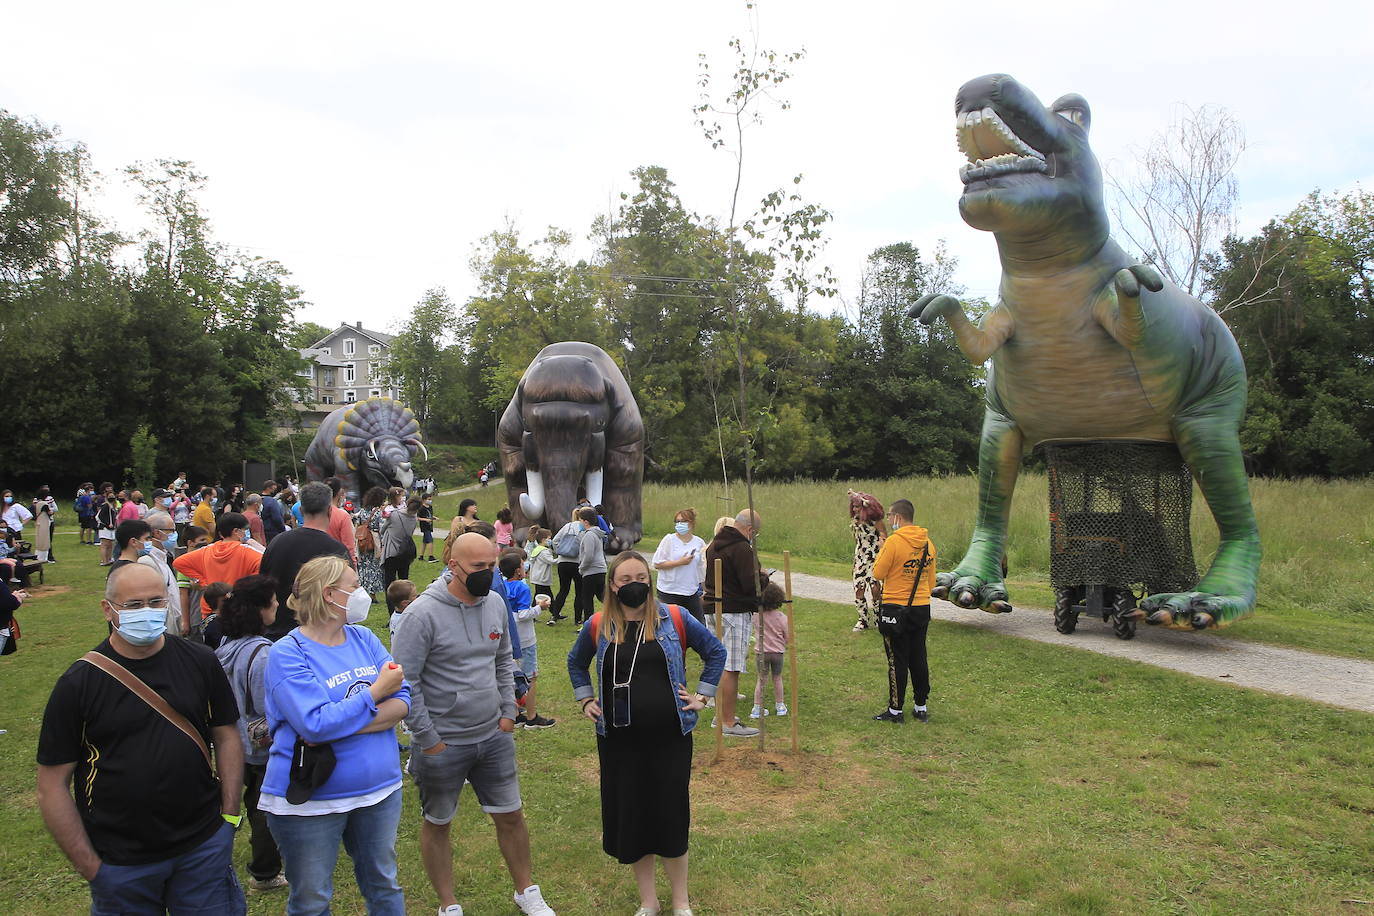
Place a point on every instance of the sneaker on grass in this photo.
(455, 910)
(888, 715)
(266, 885)
(521, 721)
(531, 902)
(740, 730)
(540, 722)
(780, 709)
(758, 712)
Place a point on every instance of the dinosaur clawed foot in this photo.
(1193, 610)
(974, 591)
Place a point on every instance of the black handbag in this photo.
(890, 616)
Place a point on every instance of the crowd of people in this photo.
(247, 637)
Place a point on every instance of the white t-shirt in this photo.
(680, 580)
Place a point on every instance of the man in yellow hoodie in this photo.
(906, 566)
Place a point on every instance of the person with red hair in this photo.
(866, 523)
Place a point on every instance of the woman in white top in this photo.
(681, 564)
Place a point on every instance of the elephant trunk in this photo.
(560, 493)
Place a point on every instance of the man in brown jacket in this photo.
(741, 584)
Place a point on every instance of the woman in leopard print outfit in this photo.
(866, 522)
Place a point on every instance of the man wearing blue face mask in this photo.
(148, 821)
(158, 556)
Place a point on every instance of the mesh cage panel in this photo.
(1119, 515)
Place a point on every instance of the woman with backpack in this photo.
(566, 550)
(244, 613)
(644, 732)
(368, 522)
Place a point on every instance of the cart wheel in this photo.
(1065, 617)
(1123, 626)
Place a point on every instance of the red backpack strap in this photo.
(596, 626)
(678, 622)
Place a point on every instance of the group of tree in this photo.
(165, 347)
(663, 293)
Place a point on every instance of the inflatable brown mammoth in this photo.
(573, 424)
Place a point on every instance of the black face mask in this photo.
(478, 583)
(633, 594)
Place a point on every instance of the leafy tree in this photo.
(143, 457)
(307, 333)
(528, 298)
(34, 215)
(415, 364)
(903, 399)
(1308, 342)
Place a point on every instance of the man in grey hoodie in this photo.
(455, 646)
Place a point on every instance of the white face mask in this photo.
(358, 606)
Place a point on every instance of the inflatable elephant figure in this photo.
(1087, 344)
(368, 444)
(573, 423)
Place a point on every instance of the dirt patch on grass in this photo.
(764, 786)
(38, 592)
(775, 786)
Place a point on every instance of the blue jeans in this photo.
(310, 847)
(200, 881)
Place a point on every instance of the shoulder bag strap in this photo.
(248, 680)
(676, 613)
(149, 696)
(916, 583)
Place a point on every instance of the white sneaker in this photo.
(645, 911)
(455, 910)
(531, 902)
(781, 709)
(758, 712)
(740, 731)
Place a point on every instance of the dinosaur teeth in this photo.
(982, 132)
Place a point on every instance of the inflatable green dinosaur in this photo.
(1086, 344)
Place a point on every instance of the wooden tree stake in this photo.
(792, 647)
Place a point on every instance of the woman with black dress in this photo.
(644, 718)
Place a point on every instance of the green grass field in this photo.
(1048, 780)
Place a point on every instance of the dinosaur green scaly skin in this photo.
(1086, 344)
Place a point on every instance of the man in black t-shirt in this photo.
(150, 827)
(290, 551)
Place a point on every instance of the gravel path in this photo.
(1344, 682)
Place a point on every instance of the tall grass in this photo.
(1318, 535)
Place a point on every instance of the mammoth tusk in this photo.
(532, 503)
(372, 449)
(423, 449)
(594, 487)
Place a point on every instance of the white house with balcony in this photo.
(345, 366)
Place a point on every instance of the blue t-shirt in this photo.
(297, 514)
(320, 693)
(500, 586)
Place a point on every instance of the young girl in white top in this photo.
(681, 564)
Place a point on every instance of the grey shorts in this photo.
(529, 660)
(735, 632)
(770, 664)
(490, 767)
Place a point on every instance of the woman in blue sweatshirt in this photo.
(333, 684)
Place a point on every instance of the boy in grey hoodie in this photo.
(455, 646)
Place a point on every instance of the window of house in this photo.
(350, 346)
(350, 373)
(374, 350)
(307, 372)
(375, 393)
(330, 378)
(327, 399)
(327, 351)
(350, 397)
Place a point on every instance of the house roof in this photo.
(321, 358)
(378, 336)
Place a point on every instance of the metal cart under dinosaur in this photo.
(1119, 528)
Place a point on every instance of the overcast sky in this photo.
(369, 146)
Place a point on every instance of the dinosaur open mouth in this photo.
(993, 149)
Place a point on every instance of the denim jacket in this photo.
(698, 637)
